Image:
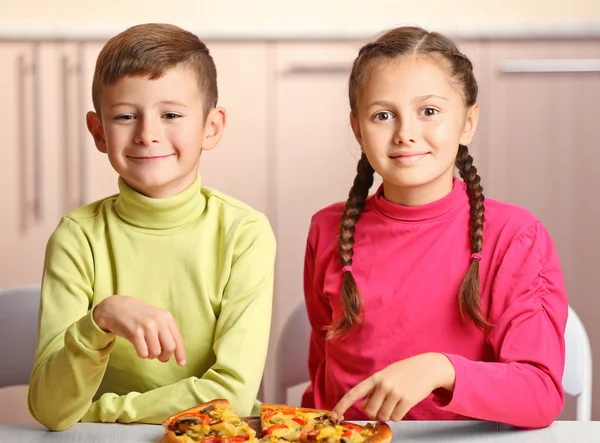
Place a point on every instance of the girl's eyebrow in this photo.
(423, 98)
(418, 99)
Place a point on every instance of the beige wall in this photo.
(386, 11)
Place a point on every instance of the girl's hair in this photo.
(391, 45)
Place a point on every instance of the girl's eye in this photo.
(383, 116)
(171, 116)
(429, 112)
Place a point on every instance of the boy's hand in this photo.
(390, 393)
(151, 330)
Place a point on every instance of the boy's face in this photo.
(154, 130)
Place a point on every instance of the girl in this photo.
(420, 306)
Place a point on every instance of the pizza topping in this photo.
(270, 414)
(300, 421)
(313, 435)
(276, 419)
(185, 422)
(276, 430)
(236, 439)
(350, 428)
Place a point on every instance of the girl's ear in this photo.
(470, 125)
(356, 130)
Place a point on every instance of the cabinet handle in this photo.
(38, 203)
(317, 70)
(66, 123)
(73, 197)
(81, 132)
(23, 118)
(551, 66)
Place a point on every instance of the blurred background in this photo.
(288, 150)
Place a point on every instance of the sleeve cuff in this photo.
(91, 336)
(446, 400)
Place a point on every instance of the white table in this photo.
(405, 432)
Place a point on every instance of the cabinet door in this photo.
(544, 154)
(238, 166)
(98, 179)
(30, 166)
(315, 153)
(478, 150)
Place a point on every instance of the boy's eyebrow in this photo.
(383, 103)
(173, 102)
(165, 102)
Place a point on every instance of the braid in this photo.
(351, 298)
(469, 300)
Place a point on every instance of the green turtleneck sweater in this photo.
(204, 256)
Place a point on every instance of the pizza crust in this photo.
(383, 434)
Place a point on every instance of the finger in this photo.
(377, 397)
(352, 396)
(363, 404)
(179, 348)
(153, 343)
(388, 406)
(401, 410)
(167, 343)
(139, 343)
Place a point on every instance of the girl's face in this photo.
(410, 120)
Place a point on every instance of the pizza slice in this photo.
(212, 422)
(284, 423)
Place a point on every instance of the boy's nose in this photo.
(147, 133)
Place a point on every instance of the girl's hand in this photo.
(152, 331)
(390, 393)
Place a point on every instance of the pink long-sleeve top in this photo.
(408, 264)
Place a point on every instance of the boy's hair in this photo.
(391, 45)
(152, 50)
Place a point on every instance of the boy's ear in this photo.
(94, 125)
(214, 127)
(356, 130)
(470, 125)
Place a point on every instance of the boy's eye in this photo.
(429, 112)
(125, 117)
(171, 116)
(383, 116)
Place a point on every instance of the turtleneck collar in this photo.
(160, 213)
(446, 206)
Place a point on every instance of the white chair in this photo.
(577, 378)
(291, 354)
(18, 332)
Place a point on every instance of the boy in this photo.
(158, 298)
